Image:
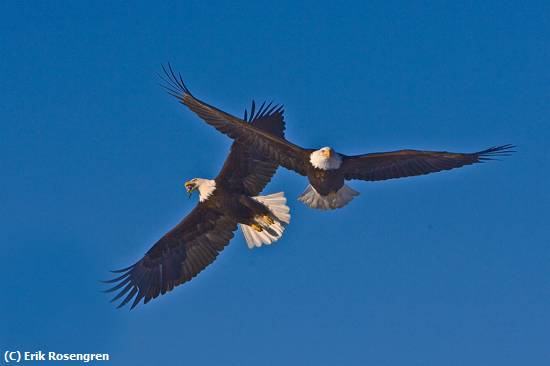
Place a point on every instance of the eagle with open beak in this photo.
(230, 200)
(191, 186)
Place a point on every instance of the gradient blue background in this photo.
(446, 269)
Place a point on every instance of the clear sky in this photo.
(447, 269)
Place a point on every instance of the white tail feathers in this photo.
(333, 200)
(276, 203)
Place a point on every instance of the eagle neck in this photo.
(322, 162)
(206, 188)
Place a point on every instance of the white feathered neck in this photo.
(205, 187)
(319, 161)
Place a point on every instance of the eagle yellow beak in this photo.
(189, 187)
(327, 153)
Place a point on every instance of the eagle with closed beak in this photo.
(326, 169)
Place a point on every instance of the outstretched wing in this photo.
(406, 163)
(176, 258)
(245, 170)
(276, 148)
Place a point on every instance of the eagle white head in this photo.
(205, 187)
(325, 158)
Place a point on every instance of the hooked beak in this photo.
(327, 153)
(189, 187)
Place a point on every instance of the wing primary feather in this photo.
(252, 109)
(128, 298)
(171, 92)
(183, 84)
(137, 281)
(116, 287)
(173, 74)
(142, 291)
(116, 279)
(138, 298)
(168, 79)
(270, 111)
(503, 150)
(123, 269)
(122, 292)
(260, 111)
(175, 81)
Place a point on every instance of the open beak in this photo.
(189, 187)
(327, 153)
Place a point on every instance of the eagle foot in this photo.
(257, 227)
(267, 219)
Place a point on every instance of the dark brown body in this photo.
(325, 181)
(366, 167)
(195, 242)
(239, 206)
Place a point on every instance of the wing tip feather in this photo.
(495, 152)
(173, 82)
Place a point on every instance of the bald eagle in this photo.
(229, 200)
(326, 169)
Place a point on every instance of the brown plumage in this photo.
(197, 240)
(327, 170)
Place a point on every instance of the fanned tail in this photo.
(276, 203)
(313, 199)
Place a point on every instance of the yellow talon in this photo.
(268, 220)
(257, 227)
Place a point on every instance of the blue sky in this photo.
(446, 269)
